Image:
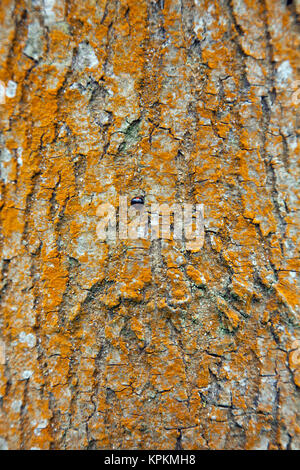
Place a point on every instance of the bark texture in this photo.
(140, 344)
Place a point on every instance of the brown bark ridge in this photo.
(144, 344)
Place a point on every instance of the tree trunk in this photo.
(144, 344)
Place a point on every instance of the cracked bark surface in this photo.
(141, 344)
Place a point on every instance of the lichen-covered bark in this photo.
(139, 344)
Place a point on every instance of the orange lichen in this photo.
(123, 343)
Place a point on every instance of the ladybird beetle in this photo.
(137, 200)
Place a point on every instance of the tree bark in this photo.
(143, 344)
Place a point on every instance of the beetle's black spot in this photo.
(137, 200)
